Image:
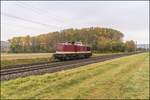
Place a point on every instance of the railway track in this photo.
(36, 69)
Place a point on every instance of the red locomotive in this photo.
(74, 50)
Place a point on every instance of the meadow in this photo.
(14, 56)
(121, 78)
(23, 58)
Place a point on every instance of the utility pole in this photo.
(135, 46)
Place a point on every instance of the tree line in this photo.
(100, 39)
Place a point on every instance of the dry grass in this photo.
(14, 56)
(23, 58)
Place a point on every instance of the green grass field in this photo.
(123, 78)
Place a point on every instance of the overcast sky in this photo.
(20, 18)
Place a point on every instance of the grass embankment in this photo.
(123, 78)
(23, 58)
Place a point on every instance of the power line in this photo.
(36, 10)
(21, 26)
(23, 6)
(27, 20)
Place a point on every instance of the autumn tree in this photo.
(100, 39)
(130, 46)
